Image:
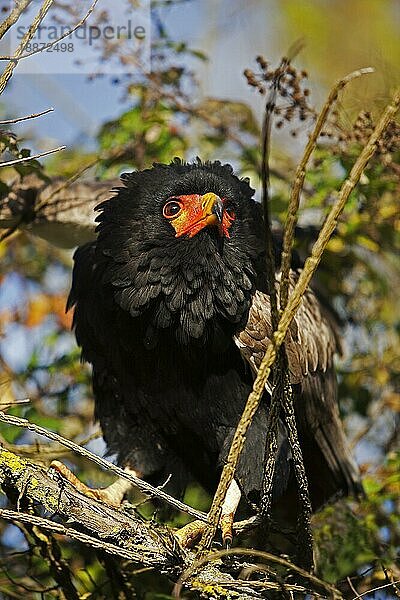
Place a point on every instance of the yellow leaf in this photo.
(367, 243)
(42, 305)
(381, 375)
(392, 401)
(388, 210)
(336, 245)
(7, 397)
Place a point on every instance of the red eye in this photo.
(172, 208)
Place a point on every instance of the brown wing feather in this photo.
(311, 344)
(311, 341)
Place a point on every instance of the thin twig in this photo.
(265, 174)
(351, 586)
(381, 587)
(291, 219)
(265, 200)
(32, 116)
(143, 486)
(59, 39)
(271, 438)
(8, 71)
(288, 314)
(304, 545)
(46, 452)
(58, 566)
(13, 16)
(282, 392)
(10, 163)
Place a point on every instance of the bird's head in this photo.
(183, 242)
(190, 213)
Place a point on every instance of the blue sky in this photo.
(230, 35)
(230, 32)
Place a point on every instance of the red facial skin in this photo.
(196, 213)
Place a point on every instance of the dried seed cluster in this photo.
(292, 97)
(360, 133)
(363, 128)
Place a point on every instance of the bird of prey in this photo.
(172, 311)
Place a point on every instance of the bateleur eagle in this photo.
(172, 312)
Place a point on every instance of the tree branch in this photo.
(8, 71)
(143, 486)
(13, 16)
(297, 187)
(60, 211)
(287, 316)
(110, 529)
(27, 117)
(115, 531)
(58, 40)
(10, 163)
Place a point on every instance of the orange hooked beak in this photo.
(198, 212)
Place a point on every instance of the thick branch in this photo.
(60, 211)
(115, 531)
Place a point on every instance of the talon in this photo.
(190, 534)
(226, 525)
(229, 507)
(111, 495)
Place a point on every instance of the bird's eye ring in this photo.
(172, 208)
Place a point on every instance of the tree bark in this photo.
(59, 211)
(118, 532)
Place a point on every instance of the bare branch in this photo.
(56, 41)
(112, 530)
(269, 558)
(8, 71)
(291, 219)
(13, 16)
(53, 527)
(376, 589)
(61, 212)
(115, 531)
(10, 163)
(32, 116)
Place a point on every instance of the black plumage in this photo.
(175, 326)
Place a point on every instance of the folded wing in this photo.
(311, 343)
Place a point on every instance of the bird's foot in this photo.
(226, 525)
(112, 495)
(229, 507)
(190, 534)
